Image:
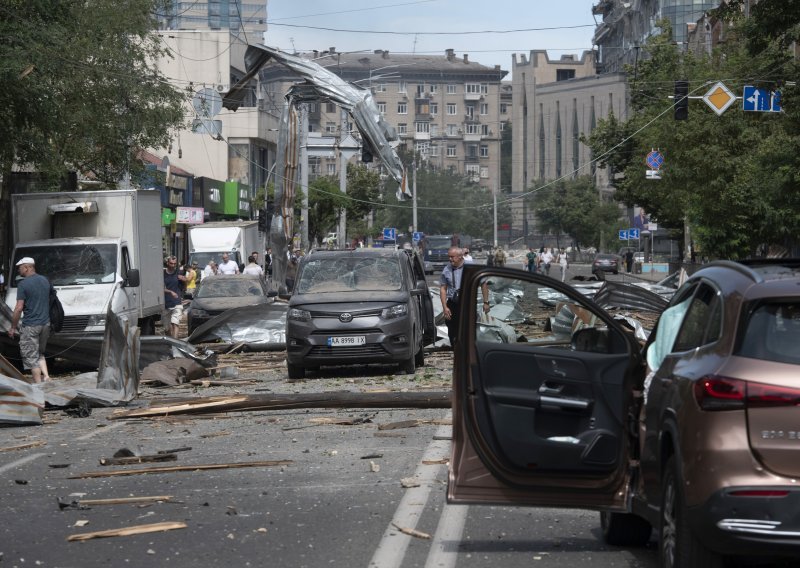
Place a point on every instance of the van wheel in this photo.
(624, 529)
(295, 371)
(679, 547)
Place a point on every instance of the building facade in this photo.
(241, 18)
(445, 108)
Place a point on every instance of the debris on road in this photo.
(170, 469)
(412, 532)
(24, 446)
(128, 531)
(127, 460)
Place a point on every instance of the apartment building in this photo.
(236, 16)
(445, 108)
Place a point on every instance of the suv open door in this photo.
(544, 396)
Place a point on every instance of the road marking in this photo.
(94, 433)
(391, 549)
(444, 549)
(19, 462)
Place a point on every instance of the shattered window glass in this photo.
(526, 312)
(74, 264)
(349, 274)
(228, 287)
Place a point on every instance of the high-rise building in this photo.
(237, 16)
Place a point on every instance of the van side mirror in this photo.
(132, 278)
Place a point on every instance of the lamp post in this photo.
(348, 147)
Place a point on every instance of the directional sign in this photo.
(633, 233)
(417, 236)
(389, 234)
(760, 100)
(719, 98)
(623, 234)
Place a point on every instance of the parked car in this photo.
(478, 245)
(359, 306)
(606, 262)
(215, 294)
(638, 257)
(694, 435)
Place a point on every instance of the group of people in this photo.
(543, 260)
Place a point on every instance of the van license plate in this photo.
(347, 340)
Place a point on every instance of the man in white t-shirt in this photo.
(227, 266)
(547, 259)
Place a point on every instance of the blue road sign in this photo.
(389, 234)
(623, 234)
(417, 236)
(654, 160)
(633, 233)
(755, 99)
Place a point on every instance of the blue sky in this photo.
(416, 19)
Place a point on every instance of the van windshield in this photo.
(349, 274)
(437, 242)
(70, 265)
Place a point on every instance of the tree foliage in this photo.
(731, 178)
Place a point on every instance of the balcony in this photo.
(472, 96)
(422, 136)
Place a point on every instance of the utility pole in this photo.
(414, 194)
(304, 175)
(494, 223)
(342, 236)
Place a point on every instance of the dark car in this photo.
(606, 262)
(695, 435)
(356, 307)
(216, 294)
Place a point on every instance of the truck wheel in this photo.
(295, 371)
(679, 547)
(147, 326)
(624, 529)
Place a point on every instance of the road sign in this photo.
(654, 160)
(633, 233)
(760, 100)
(719, 98)
(623, 234)
(417, 236)
(389, 234)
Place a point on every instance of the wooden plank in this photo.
(125, 500)
(170, 469)
(23, 446)
(128, 531)
(127, 460)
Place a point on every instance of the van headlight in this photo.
(396, 311)
(96, 320)
(298, 315)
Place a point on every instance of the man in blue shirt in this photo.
(33, 305)
(450, 289)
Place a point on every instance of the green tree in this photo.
(81, 91)
(363, 192)
(325, 199)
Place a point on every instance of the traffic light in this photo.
(681, 103)
(262, 221)
(366, 155)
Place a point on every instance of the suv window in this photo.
(703, 321)
(349, 274)
(773, 333)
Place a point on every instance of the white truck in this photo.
(99, 249)
(237, 238)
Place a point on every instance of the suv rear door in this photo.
(544, 401)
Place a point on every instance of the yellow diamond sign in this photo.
(719, 98)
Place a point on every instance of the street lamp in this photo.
(348, 147)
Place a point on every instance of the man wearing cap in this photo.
(33, 305)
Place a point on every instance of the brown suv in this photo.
(696, 433)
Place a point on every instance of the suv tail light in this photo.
(722, 393)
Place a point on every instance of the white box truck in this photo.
(238, 238)
(99, 249)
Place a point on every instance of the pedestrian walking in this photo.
(563, 262)
(253, 267)
(531, 258)
(33, 306)
(174, 283)
(227, 266)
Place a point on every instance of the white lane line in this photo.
(19, 462)
(444, 549)
(392, 548)
(94, 433)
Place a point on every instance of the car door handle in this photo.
(546, 389)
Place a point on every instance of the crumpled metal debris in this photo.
(261, 327)
(20, 403)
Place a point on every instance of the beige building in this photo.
(554, 103)
(447, 108)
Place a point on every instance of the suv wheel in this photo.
(295, 371)
(679, 547)
(624, 529)
(409, 366)
(419, 358)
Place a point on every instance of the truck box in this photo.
(237, 238)
(99, 249)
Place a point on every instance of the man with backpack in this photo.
(33, 306)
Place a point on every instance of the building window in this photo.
(421, 90)
(434, 107)
(484, 108)
(434, 130)
(484, 151)
(469, 111)
(503, 108)
(332, 169)
(473, 172)
(422, 127)
(484, 172)
(434, 150)
(472, 128)
(380, 88)
(382, 108)
(402, 128)
(330, 127)
(452, 89)
(472, 88)
(485, 130)
(472, 151)
(452, 130)
(402, 108)
(330, 107)
(434, 89)
(401, 87)
(451, 150)
(484, 88)
(452, 109)
(565, 74)
(423, 148)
